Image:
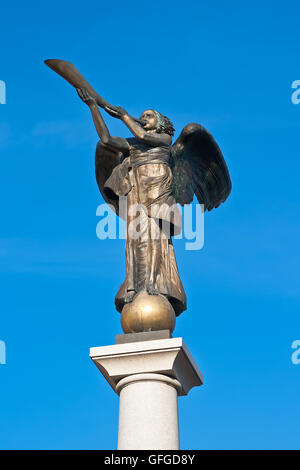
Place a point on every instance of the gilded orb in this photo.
(148, 313)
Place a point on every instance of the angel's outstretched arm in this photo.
(154, 139)
(137, 130)
(117, 143)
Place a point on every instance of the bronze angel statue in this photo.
(154, 175)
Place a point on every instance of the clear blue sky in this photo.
(227, 65)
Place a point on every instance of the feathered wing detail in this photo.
(199, 168)
(106, 159)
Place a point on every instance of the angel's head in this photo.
(154, 121)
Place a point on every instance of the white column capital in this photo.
(148, 378)
(163, 357)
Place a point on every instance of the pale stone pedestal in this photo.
(148, 376)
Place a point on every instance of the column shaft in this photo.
(148, 414)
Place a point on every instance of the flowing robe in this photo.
(144, 176)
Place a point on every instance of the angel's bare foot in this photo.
(129, 296)
(152, 289)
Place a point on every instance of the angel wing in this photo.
(106, 159)
(199, 168)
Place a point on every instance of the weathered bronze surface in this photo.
(142, 336)
(152, 175)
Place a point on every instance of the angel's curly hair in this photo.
(164, 124)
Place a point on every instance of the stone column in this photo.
(148, 376)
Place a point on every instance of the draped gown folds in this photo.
(144, 177)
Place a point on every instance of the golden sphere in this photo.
(148, 313)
